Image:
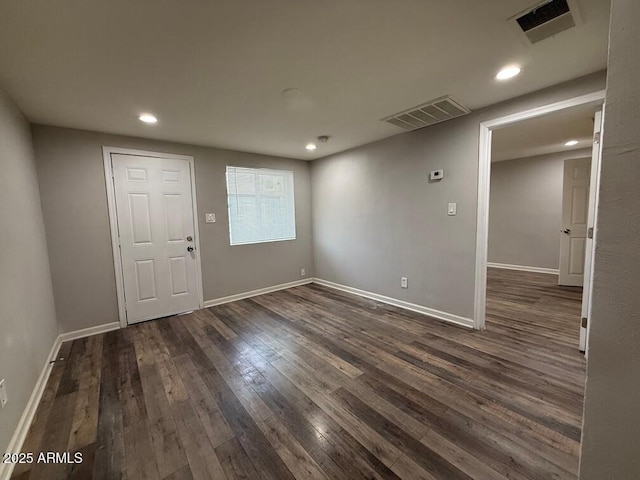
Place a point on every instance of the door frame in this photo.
(113, 220)
(594, 196)
(484, 179)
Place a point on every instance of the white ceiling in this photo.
(213, 71)
(546, 134)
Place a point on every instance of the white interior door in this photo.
(156, 234)
(575, 206)
(591, 234)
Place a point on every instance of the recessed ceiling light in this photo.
(311, 147)
(148, 118)
(508, 72)
(571, 143)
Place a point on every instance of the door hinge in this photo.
(590, 232)
(596, 138)
(584, 322)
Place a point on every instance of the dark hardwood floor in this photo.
(312, 383)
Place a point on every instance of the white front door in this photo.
(157, 238)
(575, 205)
(591, 219)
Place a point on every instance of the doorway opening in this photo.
(575, 239)
(538, 184)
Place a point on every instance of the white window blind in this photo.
(261, 206)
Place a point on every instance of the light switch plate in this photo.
(210, 217)
(436, 175)
(452, 209)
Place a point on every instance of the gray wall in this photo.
(611, 434)
(376, 217)
(525, 213)
(28, 325)
(74, 202)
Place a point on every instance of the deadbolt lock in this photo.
(189, 238)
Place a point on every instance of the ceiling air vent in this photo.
(436, 111)
(547, 19)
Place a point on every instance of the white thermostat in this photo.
(436, 175)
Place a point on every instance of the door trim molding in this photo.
(484, 177)
(113, 221)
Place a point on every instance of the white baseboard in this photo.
(20, 433)
(87, 332)
(431, 312)
(254, 293)
(524, 268)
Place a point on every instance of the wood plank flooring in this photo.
(312, 383)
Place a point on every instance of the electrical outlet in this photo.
(302, 272)
(3, 394)
(404, 282)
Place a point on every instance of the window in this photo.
(261, 207)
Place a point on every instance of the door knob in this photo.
(189, 238)
(189, 249)
(567, 231)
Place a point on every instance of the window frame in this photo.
(256, 171)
